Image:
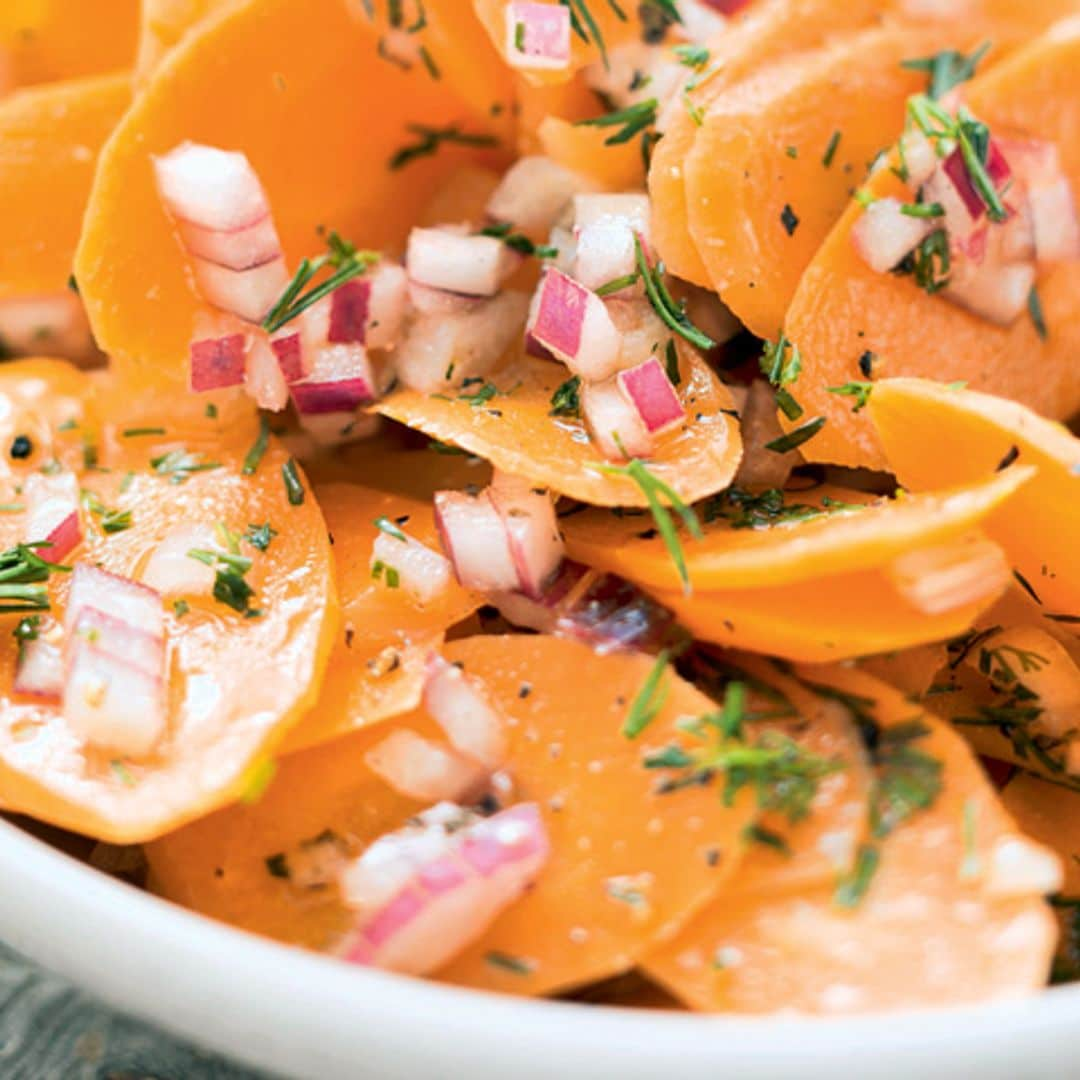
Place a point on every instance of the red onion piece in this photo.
(264, 380)
(237, 249)
(213, 188)
(428, 301)
(448, 890)
(457, 703)
(249, 294)
(475, 541)
(288, 348)
(459, 263)
(422, 573)
(52, 514)
(729, 7)
(997, 292)
(537, 35)
(649, 390)
(340, 381)
(349, 312)
(421, 769)
(884, 235)
(601, 610)
(218, 362)
(1051, 206)
(534, 193)
(40, 670)
(137, 605)
(111, 635)
(528, 516)
(171, 571)
(573, 324)
(615, 425)
(112, 704)
(441, 352)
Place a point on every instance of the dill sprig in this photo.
(947, 69)
(631, 121)
(672, 314)
(650, 699)
(22, 572)
(858, 390)
(429, 140)
(656, 491)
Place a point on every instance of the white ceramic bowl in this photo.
(302, 1015)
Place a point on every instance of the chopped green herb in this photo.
(211, 411)
(115, 521)
(72, 284)
(631, 121)
(518, 241)
(566, 401)
(947, 69)
(758, 834)
(516, 965)
(230, 588)
(294, 487)
(617, 284)
(1035, 310)
(656, 491)
(830, 150)
(929, 263)
(384, 524)
(860, 391)
(781, 361)
(429, 140)
(27, 629)
(138, 432)
(181, 608)
(922, 210)
(692, 56)
(671, 362)
(1027, 586)
(854, 886)
(260, 536)
(796, 438)
(672, 314)
(650, 699)
(178, 465)
(22, 571)
(481, 396)
(258, 780)
(445, 448)
(122, 773)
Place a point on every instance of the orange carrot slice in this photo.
(51, 40)
(516, 432)
(585, 919)
(946, 872)
(889, 576)
(235, 684)
(307, 73)
(843, 309)
(774, 163)
(934, 435)
(377, 667)
(162, 24)
(49, 141)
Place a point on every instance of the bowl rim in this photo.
(311, 1015)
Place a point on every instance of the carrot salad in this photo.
(563, 497)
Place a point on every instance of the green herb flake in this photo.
(429, 140)
(122, 772)
(260, 536)
(258, 780)
(630, 121)
(179, 465)
(515, 965)
(860, 391)
(384, 524)
(947, 69)
(140, 432)
(830, 151)
(1035, 310)
(758, 834)
(566, 401)
(672, 314)
(854, 885)
(294, 487)
(796, 438)
(650, 699)
(181, 608)
(230, 570)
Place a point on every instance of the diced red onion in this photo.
(602, 610)
(441, 352)
(111, 703)
(457, 263)
(459, 706)
(729, 7)
(171, 571)
(213, 188)
(237, 249)
(263, 378)
(421, 769)
(649, 390)
(475, 541)
(422, 573)
(40, 670)
(452, 893)
(340, 381)
(534, 193)
(995, 292)
(249, 294)
(218, 362)
(884, 235)
(349, 312)
(997, 169)
(573, 324)
(605, 252)
(134, 603)
(528, 516)
(111, 635)
(1051, 205)
(537, 35)
(427, 301)
(288, 347)
(52, 514)
(368, 310)
(615, 425)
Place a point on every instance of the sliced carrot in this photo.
(843, 309)
(308, 73)
(1050, 814)
(934, 435)
(516, 432)
(932, 929)
(163, 23)
(584, 150)
(774, 163)
(49, 141)
(911, 671)
(235, 684)
(51, 40)
(837, 540)
(377, 667)
(567, 754)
